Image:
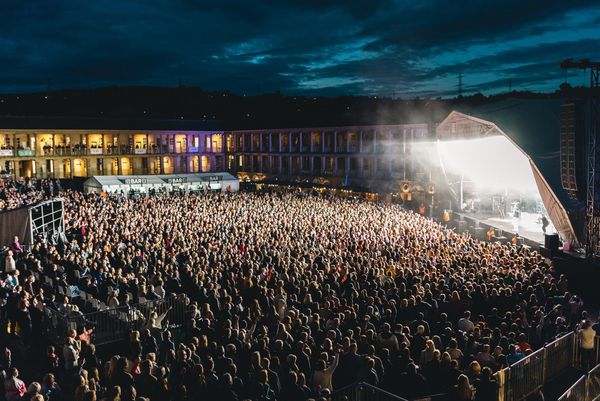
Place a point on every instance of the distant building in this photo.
(67, 148)
(366, 156)
(373, 157)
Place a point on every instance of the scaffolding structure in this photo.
(592, 96)
(47, 220)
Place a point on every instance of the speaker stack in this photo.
(551, 244)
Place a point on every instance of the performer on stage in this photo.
(502, 208)
(545, 223)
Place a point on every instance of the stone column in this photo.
(374, 162)
(360, 142)
(335, 149)
(361, 164)
(374, 141)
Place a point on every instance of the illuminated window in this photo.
(217, 143)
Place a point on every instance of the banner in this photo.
(134, 181)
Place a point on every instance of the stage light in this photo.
(492, 163)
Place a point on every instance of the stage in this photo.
(528, 225)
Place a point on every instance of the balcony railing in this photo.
(81, 150)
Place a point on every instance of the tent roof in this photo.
(533, 125)
(102, 180)
(197, 177)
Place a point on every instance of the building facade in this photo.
(342, 156)
(82, 153)
(366, 156)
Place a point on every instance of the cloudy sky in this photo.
(314, 47)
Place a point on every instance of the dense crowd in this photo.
(17, 193)
(291, 297)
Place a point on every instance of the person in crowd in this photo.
(323, 374)
(514, 354)
(463, 391)
(50, 388)
(486, 386)
(587, 336)
(14, 388)
(10, 265)
(16, 245)
(33, 390)
(465, 324)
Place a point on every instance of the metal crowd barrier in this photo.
(114, 324)
(587, 388)
(533, 372)
(577, 392)
(55, 324)
(561, 354)
(363, 392)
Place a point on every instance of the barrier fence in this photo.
(114, 324)
(533, 372)
(587, 388)
(363, 392)
(577, 392)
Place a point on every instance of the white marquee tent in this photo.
(224, 182)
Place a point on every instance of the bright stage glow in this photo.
(492, 163)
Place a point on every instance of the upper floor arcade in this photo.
(326, 140)
(49, 143)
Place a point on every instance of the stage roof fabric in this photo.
(533, 125)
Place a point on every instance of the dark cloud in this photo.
(298, 46)
(535, 54)
(442, 24)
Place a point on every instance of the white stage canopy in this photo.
(488, 156)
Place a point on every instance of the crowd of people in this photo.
(291, 297)
(18, 193)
